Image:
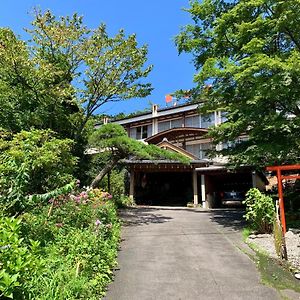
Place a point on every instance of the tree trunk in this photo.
(109, 166)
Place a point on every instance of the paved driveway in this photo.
(181, 253)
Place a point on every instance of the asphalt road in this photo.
(181, 253)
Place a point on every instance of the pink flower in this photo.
(97, 222)
(77, 199)
(109, 196)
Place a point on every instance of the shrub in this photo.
(260, 211)
(117, 183)
(18, 262)
(79, 236)
(124, 201)
(32, 162)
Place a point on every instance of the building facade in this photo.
(182, 129)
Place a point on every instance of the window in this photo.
(132, 133)
(204, 149)
(193, 121)
(165, 125)
(144, 132)
(207, 120)
(141, 132)
(199, 150)
(162, 126)
(231, 144)
(176, 123)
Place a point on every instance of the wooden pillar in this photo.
(203, 192)
(195, 188)
(131, 186)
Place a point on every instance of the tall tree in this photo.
(99, 68)
(67, 72)
(249, 52)
(32, 94)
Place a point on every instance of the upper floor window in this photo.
(200, 121)
(141, 132)
(165, 125)
(207, 120)
(176, 123)
(230, 144)
(162, 126)
(199, 150)
(192, 121)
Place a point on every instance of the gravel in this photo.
(266, 243)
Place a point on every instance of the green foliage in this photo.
(34, 92)
(77, 236)
(117, 182)
(18, 261)
(260, 211)
(65, 73)
(80, 246)
(32, 162)
(113, 140)
(246, 232)
(276, 274)
(249, 52)
(124, 201)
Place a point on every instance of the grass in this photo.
(274, 272)
(246, 232)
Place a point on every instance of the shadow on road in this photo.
(145, 216)
(229, 218)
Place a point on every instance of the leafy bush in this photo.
(79, 236)
(124, 201)
(117, 183)
(32, 162)
(260, 211)
(18, 262)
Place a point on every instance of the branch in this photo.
(109, 166)
(290, 34)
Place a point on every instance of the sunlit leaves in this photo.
(249, 52)
(65, 73)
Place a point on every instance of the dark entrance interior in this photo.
(164, 188)
(227, 182)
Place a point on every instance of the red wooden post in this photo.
(281, 202)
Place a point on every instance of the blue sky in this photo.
(155, 22)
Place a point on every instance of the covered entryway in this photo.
(164, 183)
(164, 188)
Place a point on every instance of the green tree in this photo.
(249, 52)
(112, 141)
(32, 94)
(66, 73)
